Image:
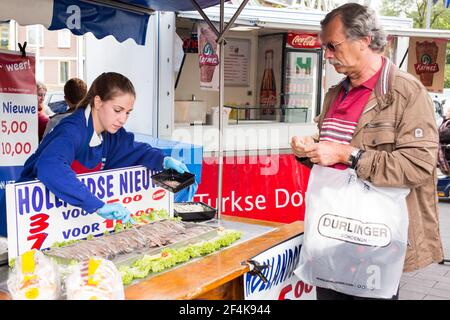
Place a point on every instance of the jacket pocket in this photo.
(379, 136)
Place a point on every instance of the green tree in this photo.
(417, 10)
(395, 8)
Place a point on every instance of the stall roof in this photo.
(122, 19)
(287, 19)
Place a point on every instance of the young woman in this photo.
(91, 139)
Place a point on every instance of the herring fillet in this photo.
(151, 235)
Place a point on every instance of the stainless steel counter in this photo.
(249, 231)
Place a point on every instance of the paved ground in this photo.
(432, 282)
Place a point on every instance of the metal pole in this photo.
(221, 99)
(221, 42)
(205, 17)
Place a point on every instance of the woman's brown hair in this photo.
(74, 91)
(107, 86)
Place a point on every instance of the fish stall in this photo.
(57, 251)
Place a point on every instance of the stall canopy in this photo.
(122, 19)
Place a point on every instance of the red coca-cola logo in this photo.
(190, 45)
(303, 40)
(209, 60)
(426, 68)
(268, 99)
(159, 194)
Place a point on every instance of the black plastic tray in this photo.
(207, 213)
(173, 181)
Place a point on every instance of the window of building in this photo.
(40, 69)
(4, 35)
(64, 38)
(64, 73)
(35, 35)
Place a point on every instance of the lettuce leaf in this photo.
(170, 257)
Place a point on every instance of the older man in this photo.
(379, 121)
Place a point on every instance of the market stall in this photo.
(227, 266)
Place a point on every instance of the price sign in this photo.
(18, 118)
(37, 218)
(14, 149)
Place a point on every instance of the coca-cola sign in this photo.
(303, 40)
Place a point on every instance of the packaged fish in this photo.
(94, 279)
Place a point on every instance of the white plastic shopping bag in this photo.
(355, 234)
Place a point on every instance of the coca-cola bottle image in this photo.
(268, 92)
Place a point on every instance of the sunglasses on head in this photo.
(330, 46)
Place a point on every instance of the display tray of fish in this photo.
(173, 181)
(193, 211)
(133, 242)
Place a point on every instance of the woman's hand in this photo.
(115, 211)
(172, 163)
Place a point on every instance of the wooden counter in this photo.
(217, 276)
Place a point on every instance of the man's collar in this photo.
(383, 86)
(369, 83)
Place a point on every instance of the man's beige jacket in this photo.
(398, 131)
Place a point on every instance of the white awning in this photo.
(122, 19)
(284, 19)
(425, 33)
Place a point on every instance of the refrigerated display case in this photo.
(293, 76)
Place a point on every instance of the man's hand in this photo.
(327, 153)
(298, 145)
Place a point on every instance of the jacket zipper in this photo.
(380, 125)
(370, 108)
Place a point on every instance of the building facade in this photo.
(59, 54)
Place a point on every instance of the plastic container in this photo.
(94, 279)
(173, 181)
(194, 211)
(34, 277)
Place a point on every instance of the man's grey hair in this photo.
(359, 21)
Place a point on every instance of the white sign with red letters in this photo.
(37, 219)
(18, 108)
(282, 283)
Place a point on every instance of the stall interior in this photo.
(270, 76)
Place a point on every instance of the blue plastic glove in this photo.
(187, 194)
(115, 211)
(172, 163)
